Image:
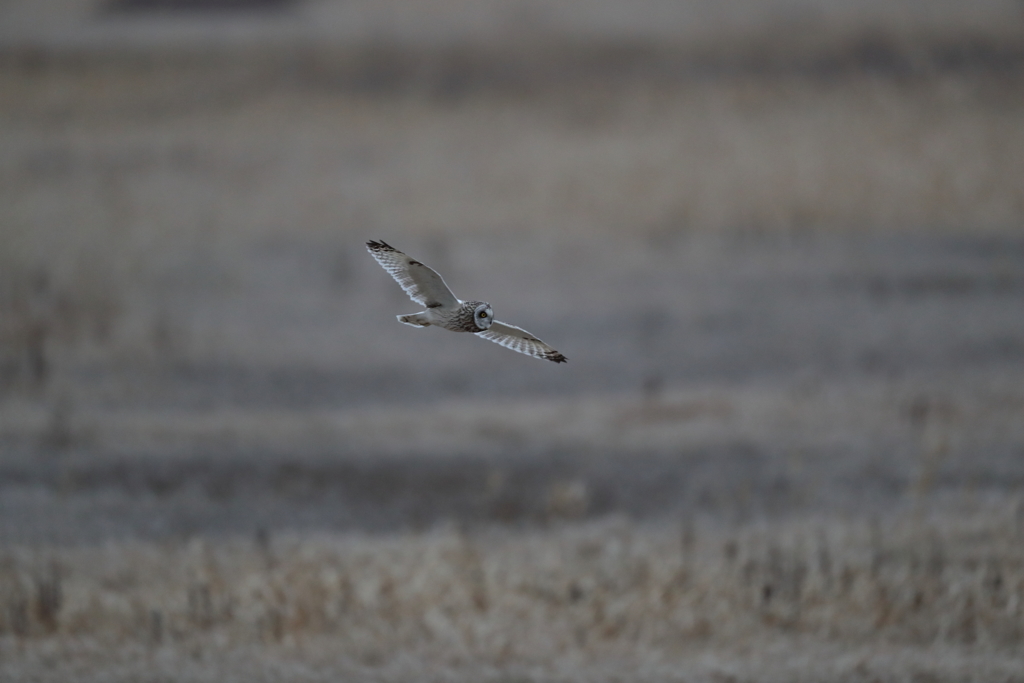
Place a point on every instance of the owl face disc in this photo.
(483, 316)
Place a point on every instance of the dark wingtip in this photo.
(380, 245)
(556, 358)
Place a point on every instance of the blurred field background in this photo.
(781, 243)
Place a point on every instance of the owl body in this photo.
(425, 287)
(468, 316)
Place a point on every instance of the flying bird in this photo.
(425, 287)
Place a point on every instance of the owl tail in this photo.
(414, 319)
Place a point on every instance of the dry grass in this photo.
(597, 598)
(115, 219)
(778, 153)
(154, 214)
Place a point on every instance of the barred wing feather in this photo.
(518, 339)
(423, 285)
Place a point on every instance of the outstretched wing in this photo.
(517, 339)
(422, 284)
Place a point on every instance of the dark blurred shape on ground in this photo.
(130, 6)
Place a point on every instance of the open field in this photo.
(935, 599)
(834, 532)
(783, 253)
(232, 236)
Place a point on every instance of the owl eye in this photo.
(483, 314)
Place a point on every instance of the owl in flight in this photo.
(426, 288)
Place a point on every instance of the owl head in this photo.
(483, 316)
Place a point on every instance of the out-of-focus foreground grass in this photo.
(916, 598)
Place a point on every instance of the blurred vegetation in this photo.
(594, 594)
(199, 208)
